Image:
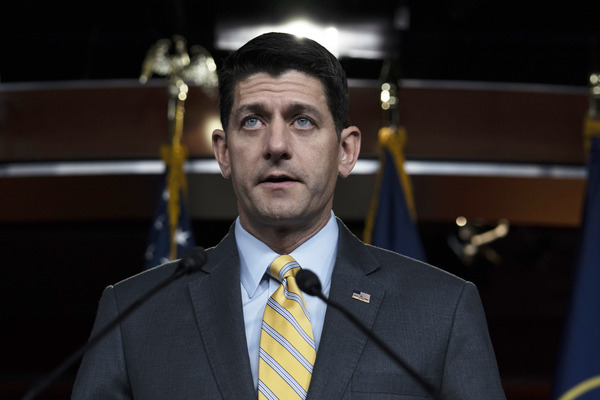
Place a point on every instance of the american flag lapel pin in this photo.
(362, 296)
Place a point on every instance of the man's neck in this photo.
(283, 238)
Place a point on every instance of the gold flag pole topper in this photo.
(170, 58)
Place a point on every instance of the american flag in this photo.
(159, 240)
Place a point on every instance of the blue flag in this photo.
(578, 374)
(160, 241)
(391, 220)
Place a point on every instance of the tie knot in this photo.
(283, 267)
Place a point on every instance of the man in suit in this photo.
(285, 140)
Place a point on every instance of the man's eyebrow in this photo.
(290, 111)
(299, 108)
(252, 108)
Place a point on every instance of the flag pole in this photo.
(391, 219)
(591, 126)
(170, 58)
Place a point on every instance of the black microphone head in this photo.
(308, 282)
(193, 260)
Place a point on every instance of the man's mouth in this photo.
(278, 179)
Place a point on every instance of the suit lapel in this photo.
(341, 342)
(217, 304)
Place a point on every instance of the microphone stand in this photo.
(310, 284)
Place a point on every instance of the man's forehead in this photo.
(293, 92)
(294, 79)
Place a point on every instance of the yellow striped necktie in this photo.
(287, 348)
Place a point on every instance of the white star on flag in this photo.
(181, 237)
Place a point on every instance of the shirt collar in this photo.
(317, 254)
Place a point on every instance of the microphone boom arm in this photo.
(189, 263)
(310, 284)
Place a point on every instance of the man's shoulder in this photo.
(146, 279)
(386, 264)
(409, 268)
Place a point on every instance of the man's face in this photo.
(282, 152)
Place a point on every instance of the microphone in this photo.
(193, 261)
(310, 284)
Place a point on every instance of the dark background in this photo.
(507, 41)
(53, 272)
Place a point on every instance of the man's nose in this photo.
(278, 141)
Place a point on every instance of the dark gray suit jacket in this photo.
(188, 342)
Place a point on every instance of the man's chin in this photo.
(281, 217)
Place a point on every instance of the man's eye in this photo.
(251, 122)
(303, 123)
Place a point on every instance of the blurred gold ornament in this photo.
(170, 58)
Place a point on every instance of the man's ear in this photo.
(349, 150)
(219, 143)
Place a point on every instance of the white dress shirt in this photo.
(316, 254)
